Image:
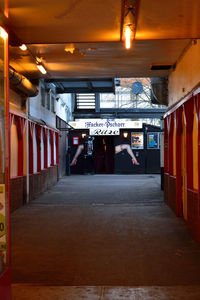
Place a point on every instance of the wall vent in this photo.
(85, 101)
(160, 67)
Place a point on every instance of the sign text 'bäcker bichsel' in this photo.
(105, 126)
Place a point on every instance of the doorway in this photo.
(104, 152)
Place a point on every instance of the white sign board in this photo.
(105, 124)
(102, 131)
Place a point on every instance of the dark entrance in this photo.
(104, 151)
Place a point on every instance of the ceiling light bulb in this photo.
(127, 37)
(38, 60)
(23, 47)
(70, 48)
(41, 68)
(3, 33)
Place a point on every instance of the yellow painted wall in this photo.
(195, 153)
(17, 102)
(184, 170)
(186, 75)
(13, 151)
(25, 152)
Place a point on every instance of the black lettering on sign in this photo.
(1, 226)
(106, 132)
(97, 131)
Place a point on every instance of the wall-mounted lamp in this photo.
(125, 134)
(83, 135)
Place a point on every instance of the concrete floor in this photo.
(103, 232)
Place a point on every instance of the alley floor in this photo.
(103, 237)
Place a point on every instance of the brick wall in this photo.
(172, 193)
(16, 192)
(192, 213)
(38, 184)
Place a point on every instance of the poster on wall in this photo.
(89, 146)
(75, 140)
(137, 140)
(153, 140)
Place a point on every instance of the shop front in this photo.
(113, 146)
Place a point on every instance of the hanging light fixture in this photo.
(129, 22)
(23, 47)
(40, 66)
(127, 37)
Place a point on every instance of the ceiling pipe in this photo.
(21, 84)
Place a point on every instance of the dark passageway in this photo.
(103, 230)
